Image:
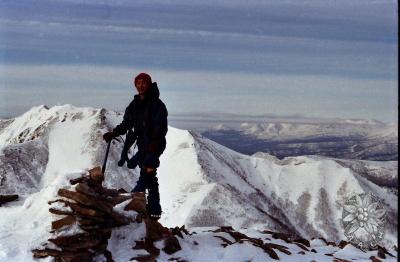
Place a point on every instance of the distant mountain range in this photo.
(350, 139)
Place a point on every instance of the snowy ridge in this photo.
(298, 195)
(201, 182)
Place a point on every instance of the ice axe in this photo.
(103, 169)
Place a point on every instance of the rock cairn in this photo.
(90, 210)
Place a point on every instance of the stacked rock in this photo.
(88, 212)
(90, 208)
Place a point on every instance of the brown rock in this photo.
(76, 196)
(66, 221)
(256, 241)
(75, 257)
(155, 231)
(382, 251)
(119, 219)
(138, 203)
(104, 233)
(85, 189)
(176, 231)
(86, 200)
(270, 252)
(226, 228)
(96, 174)
(302, 246)
(139, 217)
(177, 259)
(149, 247)
(88, 221)
(109, 192)
(225, 241)
(342, 244)
(77, 242)
(101, 247)
(63, 255)
(237, 235)
(374, 259)
(303, 241)
(97, 229)
(85, 211)
(281, 248)
(57, 200)
(41, 253)
(90, 228)
(118, 199)
(183, 229)
(139, 245)
(335, 259)
(282, 236)
(78, 180)
(60, 212)
(171, 245)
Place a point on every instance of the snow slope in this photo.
(201, 182)
(300, 195)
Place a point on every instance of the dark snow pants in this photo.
(149, 181)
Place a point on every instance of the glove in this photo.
(134, 161)
(152, 148)
(122, 161)
(109, 136)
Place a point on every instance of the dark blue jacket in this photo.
(148, 119)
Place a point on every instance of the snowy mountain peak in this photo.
(34, 123)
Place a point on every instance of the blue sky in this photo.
(309, 58)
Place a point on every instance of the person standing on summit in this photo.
(147, 115)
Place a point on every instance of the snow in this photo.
(127, 213)
(67, 143)
(201, 182)
(123, 239)
(69, 157)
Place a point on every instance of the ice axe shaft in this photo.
(103, 169)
